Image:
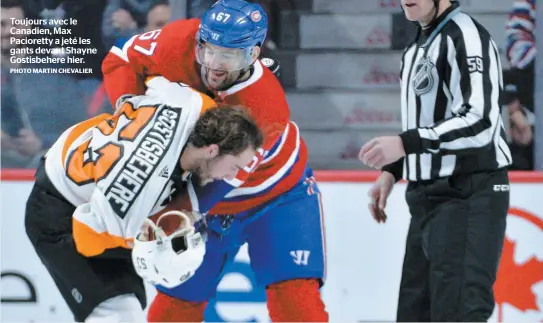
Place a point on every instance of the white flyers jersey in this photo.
(116, 169)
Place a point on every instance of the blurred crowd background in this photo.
(339, 61)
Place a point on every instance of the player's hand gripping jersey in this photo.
(117, 169)
(171, 52)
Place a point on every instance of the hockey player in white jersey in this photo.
(105, 176)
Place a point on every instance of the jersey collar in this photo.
(441, 18)
(258, 71)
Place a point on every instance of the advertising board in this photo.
(364, 258)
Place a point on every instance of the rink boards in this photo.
(364, 258)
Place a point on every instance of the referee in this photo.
(454, 155)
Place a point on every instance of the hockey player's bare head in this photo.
(424, 11)
(223, 142)
(211, 166)
(222, 67)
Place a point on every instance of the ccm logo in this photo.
(501, 188)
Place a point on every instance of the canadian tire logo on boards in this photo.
(519, 285)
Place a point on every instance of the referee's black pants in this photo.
(453, 247)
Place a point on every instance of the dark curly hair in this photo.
(228, 126)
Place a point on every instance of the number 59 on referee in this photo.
(453, 153)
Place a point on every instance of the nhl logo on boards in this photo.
(423, 81)
(256, 16)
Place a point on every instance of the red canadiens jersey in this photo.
(170, 52)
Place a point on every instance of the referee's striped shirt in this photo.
(451, 80)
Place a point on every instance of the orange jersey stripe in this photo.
(90, 243)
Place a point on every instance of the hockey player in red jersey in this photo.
(274, 196)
